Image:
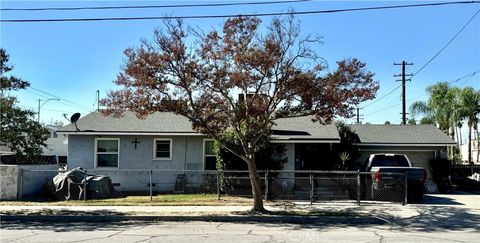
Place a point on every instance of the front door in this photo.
(313, 157)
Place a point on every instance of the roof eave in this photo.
(304, 141)
(405, 144)
(118, 133)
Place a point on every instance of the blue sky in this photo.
(73, 60)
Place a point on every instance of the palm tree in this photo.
(457, 112)
(443, 108)
(470, 106)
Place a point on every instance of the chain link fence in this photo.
(313, 186)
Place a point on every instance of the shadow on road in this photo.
(74, 226)
(438, 213)
(439, 200)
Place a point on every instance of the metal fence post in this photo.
(358, 187)
(266, 185)
(85, 185)
(311, 188)
(218, 186)
(151, 186)
(406, 189)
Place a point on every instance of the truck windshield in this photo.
(385, 160)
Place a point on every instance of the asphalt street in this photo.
(441, 218)
(225, 232)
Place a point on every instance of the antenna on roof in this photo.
(74, 118)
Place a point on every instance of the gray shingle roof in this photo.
(401, 134)
(296, 128)
(303, 128)
(159, 122)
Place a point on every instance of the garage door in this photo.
(417, 158)
(421, 159)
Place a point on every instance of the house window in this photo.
(107, 152)
(162, 149)
(209, 158)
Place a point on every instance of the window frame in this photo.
(155, 149)
(97, 153)
(204, 155)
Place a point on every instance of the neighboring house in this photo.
(4, 150)
(475, 152)
(167, 142)
(56, 144)
(421, 143)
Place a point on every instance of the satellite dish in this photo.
(74, 118)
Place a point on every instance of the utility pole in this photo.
(358, 114)
(98, 100)
(38, 112)
(40, 106)
(403, 80)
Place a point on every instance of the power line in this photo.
(61, 98)
(235, 15)
(466, 76)
(60, 101)
(387, 108)
(413, 99)
(150, 6)
(375, 101)
(448, 43)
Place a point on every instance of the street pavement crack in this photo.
(382, 238)
(26, 236)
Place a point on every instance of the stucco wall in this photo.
(284, 181)
(186, 152)
(134, 164)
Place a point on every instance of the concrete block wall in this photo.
(8, 182)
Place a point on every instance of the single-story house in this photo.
(167, 142)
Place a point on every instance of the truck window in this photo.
(385, 160)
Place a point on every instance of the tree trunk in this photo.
(470, 145)
(478, 144)
(458, 137)
(256, 187)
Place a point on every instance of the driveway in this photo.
(438, 212)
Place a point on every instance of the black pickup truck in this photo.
(385, 169)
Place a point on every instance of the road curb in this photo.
(258, 218)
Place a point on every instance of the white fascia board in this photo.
(133, 133)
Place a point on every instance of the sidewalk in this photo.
(437, 209)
